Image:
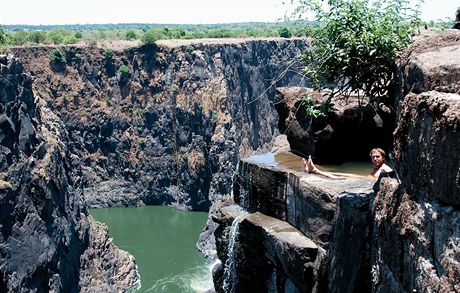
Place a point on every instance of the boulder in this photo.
(433, 63)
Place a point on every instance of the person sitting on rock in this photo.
(378, 161)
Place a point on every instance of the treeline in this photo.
(91, 34)
(17, 35)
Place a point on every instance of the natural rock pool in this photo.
(162, 240)
(294, 162)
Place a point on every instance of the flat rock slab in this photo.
(276, 246)
(269, 184)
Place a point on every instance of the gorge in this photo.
(167, 125)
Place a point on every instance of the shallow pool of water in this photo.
(162, 240)
(294, 162)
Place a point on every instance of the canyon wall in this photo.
(400, 234)
(416, 245)
(44, 222)
(97, 128)
(165, 125)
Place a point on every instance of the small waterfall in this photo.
(245, 180)
(229, 268)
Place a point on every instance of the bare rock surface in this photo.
(355, 125)
(106, 268)
(333, 214)
(174, 126)
(43, 221)
(44, 227)
(415, 245)
(428, 145)
(268, 254)
(433, 63)
(415, 242)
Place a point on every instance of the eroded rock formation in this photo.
(331, 219)
(403, 237)
(172, 128)
(354, 125)
(43, 220)
(153, 125)
(416, 245)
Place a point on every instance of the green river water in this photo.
(162, 240)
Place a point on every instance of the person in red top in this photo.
(378, 162)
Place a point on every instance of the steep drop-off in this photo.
(165, 125)
(402, 235)
(43, 220)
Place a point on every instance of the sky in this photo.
(35, 12)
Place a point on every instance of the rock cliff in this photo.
(319, 228)
(416, 245)
(43, 219)
(399, 236)
(165, 125)
(149, 125)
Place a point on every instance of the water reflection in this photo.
(294, 162)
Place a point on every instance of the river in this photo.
(162, 240)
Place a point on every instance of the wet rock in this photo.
(334, 214)
(269, 254)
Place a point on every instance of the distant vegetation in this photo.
(18, 35)
(91, 34)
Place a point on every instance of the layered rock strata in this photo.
(334, 215)
(415, 240)
(269, 254)
(406, 238)
(170, 127)
(43, 220)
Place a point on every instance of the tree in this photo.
(2, 37)
(131, 35)
(37, 37)
(151, 36)
(57, 56)
(284, 32)
(356, 44)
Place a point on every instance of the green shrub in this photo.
(151, 36)
(131, 35)
(56, 37)
(57, 56)
(2, 37)
(123, 69)
(311, 111)
(284, 33)
(19, 38)
(69, 40)
(78, 35)
(357, 42)
(37, 37)
(108, 53)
